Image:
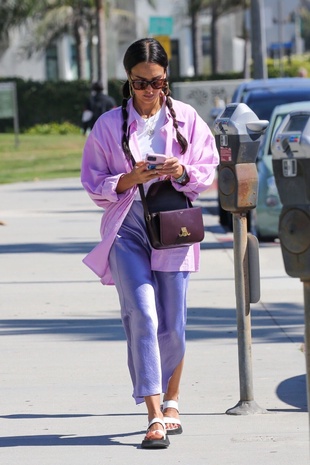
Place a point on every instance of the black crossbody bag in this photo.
(171, 220)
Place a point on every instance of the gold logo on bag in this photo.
(184, 232)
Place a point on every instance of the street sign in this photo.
(161, 25)
(8, 105)
(6, 100)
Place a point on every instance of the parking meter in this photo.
(291, 165)
(237, 134)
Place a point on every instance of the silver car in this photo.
(265, 217)
(262, 96)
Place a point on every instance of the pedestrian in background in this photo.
(302, 72)
(97, 104)
(151, 284)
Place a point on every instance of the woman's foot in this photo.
(156, 437)
(171, 417)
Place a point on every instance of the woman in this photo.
(151, 284)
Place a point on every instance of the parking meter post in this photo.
(246, 404)
(291, 164)
(237, 133)
(243, 306)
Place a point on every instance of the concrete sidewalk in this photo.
(65, 388)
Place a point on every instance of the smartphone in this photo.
(155, 159)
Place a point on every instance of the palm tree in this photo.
(101, 15)
(51, 19)
(54, 18)
(195, 7)
(303, 16)
(13, 13)
(216, 9)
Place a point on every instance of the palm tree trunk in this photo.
(102, 47)
(80, 38)
(194, 40)
(214, 40)
(196, 43)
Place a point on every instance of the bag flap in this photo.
(181, 226)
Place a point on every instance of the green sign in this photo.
(161, 25)
(7, 100)
(8, 105)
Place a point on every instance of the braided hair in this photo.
(147, 50)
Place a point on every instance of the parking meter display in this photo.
(297, 123)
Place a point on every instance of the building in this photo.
(131, 19)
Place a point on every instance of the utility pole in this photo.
(258, 40)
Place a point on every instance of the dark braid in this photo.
(125, 141)
(181, 139)
(147, 50)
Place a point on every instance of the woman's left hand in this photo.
(171, 167)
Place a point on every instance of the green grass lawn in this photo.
(40, 157)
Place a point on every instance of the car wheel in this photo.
(225, 218)
(254, 228)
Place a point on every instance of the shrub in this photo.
(41, 103)
(54, 128)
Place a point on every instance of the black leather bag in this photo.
(170, 217)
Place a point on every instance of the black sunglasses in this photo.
(143, 84)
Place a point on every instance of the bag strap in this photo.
(141, 189)
(144, 203)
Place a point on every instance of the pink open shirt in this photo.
(104, 162)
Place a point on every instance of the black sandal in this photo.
(162, 443)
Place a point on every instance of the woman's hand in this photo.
(138, 175)
(171, 167)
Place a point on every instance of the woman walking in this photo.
(151, 284)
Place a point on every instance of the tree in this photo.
(219, 8)
(51, 19)
(54, 18)
(13, 13)
(216, 8)
(304, 15)
(195, 7)
(48, 20)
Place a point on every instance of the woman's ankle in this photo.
(153, 407)
(169, 396)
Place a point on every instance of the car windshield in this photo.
(263, 103)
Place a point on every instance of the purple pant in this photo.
(153, 308)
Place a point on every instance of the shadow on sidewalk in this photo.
(293, 391)
(85, 247)
(68, 440)
(278, 324)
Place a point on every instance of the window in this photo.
(51, 59)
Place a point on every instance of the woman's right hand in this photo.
(138, 175)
